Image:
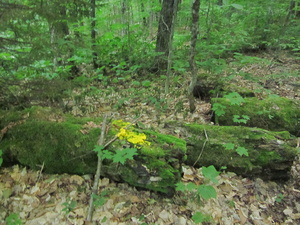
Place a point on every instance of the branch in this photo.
(98, 172)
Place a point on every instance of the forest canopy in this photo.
(56, 38)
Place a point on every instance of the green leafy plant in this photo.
(199, 217)
(211, 173)
(69, 206)
(99, 200)
(240, 150)
(202, 191)
(241, 119)
(279, 198)
(234, 98)
(219, 110)
(13, 219)
(120, 156)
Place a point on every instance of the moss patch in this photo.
(268, 151)
(273, 113)
(64, 144)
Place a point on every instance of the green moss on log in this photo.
(63, 144)
(270, 156)
(273, 113)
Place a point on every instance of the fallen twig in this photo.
(98, 172)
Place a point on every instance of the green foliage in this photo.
(120, 156)
(229, 146)
(279, 198)
(218, 109)
(13, 219)
(202, 191)
(240, 119)
(234, 98)
(69, 206)
(240, 150)
(210, 173)
(207, 192)
(199, 217)
(99, 200)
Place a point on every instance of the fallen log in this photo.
(250, 152)
(64, 144)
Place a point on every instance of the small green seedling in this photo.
(279, 198)
(199, 217)
(13, 219)
(69, 206)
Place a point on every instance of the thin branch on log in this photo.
(98, 172)
(203, 146)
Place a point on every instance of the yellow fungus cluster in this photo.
(137, 139)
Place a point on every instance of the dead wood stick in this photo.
(98, 172)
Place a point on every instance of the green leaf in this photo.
(13, 219)
(136, 83)
(107, 154)
(98, 149)
(207, 192)
(237, 6)
(240, 119)
(122, 155)
(99, 200)
(191, 186)
(218, 109)
(279, 198)
(180, 186)
(211, 173)
(198, 217)
(146, 83)
(229, 146)
(234, 98)
(242, 151)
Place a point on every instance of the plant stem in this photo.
(98, 172)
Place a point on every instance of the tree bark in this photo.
(194, 37)
(93, 33)
(164, 35)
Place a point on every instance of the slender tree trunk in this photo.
(164, 35)
(93, 33)
(194, 37)
(295, 8)
(144, 18)
(59, 30)
(170, 48)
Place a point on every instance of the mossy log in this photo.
(58, 143)
(273, 113)
(267, 154)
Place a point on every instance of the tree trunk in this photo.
(93, 33)
(164, 35)
(59, 30)
(295, 8)
(194, 37)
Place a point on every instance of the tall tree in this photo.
(164, 35)
(194, 37)
(93, 33)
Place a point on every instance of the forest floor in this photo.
(37, 198)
